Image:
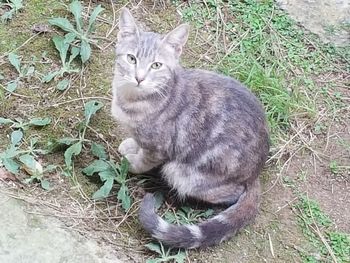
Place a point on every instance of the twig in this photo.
(14, 93)
(318, 232)
(77, 99)
(22, 45)
(271, 246)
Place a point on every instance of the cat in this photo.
(206, 131)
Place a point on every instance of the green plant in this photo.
(24, 71)
(109, 173)
(187, 215)
(62, 45)
(340, 243)
(108, 170)
(336, 168)
(15, 157)
(78, 35)
(317, 227)
(75, 145)
(164, 255)
(24, 125)
(12, 7)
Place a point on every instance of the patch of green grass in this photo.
(317, 228)
(337, 168)
(263, 48)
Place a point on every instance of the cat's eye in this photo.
(131, 59)
(156, 65)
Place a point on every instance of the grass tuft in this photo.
(263, 48)
(317, 228)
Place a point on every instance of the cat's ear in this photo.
(177, 38)
(127, 25)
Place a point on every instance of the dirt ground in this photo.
(300, 162)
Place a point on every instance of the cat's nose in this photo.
(139, 79)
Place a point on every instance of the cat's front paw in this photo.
(128, 146)
(135, 164)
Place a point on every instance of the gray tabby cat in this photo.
(206, 130)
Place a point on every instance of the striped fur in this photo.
(207, 132)
(208, 233)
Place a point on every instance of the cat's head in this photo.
(145, 60)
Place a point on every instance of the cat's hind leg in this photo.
(189, 182)
(226, 193)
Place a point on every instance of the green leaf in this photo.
(50, 168)
(124, 197)
(76, 9)
(10, 152)
(45, 184)
(16, 137)
(98, 9)
(50, 76)
(159, 199)
(33, 141)
(62, 23)
(12, 86)
(104, 191)
(75, 149)
(17, 4)
(67, 140)
(85, 51)
(208, 213)
(74, 53)
(154, 247)
(7, 15)
(31, 166)
(170, 217)
(180, 257)
(19, 124)
(30, 71)
(14, 60)
(62, 47)
(91, 108)
(63, 84)
(40, 121)
(5, 121)
(10, 165)
(28, 160)
(124, 168)
(69, 38)
(95, 167)
(98, 150)
(55, 145)
(107, 174)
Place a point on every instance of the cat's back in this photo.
(220, 91)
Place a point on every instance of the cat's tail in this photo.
(208, 233)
